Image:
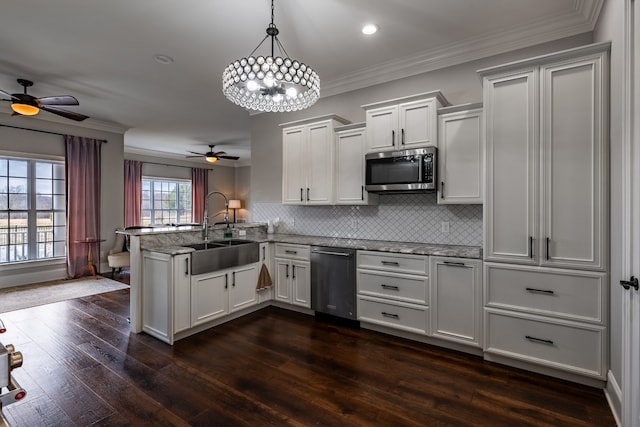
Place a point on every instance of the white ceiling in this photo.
(102, 53)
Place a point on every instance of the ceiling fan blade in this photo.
(66, 114)
(192, 157)
(8, 95)
(228, 157)
(193, 152)
(58, 100)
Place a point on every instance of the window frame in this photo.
(32, 210)
(152, 210)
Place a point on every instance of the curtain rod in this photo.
(167, 164)
(43, 131)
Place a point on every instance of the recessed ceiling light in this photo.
(163, 59)
(369, 29)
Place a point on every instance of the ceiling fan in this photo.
(213, 156)
(28, 105)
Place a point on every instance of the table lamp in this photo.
(234, 204)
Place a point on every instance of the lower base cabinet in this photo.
(214, 295)
(293, 274)
(547, 317)
(456, 300)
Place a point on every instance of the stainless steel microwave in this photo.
(406, 171)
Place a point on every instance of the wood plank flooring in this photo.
(271, 368)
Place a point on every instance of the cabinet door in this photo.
(456, 299)
(294, 165)
(460, 157)
(156, 296)
(209, 297)
(242, 292)
(382, 124)
(319, 164)
(350, 149)
(574, 158)
(418, 124)
(181, 293)
(510, 208)
(301, 283)
(283, 271)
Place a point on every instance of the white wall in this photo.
(460, 84)
(610, 27)
(111, 212)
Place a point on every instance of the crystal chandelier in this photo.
(271, 83)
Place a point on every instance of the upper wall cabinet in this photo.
(308, 160)
(403, 123)
(546, 158)
(460, 154)
(349, 166)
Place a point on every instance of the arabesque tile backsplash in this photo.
(398, 217)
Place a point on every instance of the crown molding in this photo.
(582, 20)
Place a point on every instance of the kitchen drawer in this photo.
(402, 287)
(562, 293)
(407, 317)
(289, 250)
(570, 346)
(403, 263)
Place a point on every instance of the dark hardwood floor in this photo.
(271, 368)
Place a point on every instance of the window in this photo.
(32, 209)
(165, 201)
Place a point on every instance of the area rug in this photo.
(19, 297)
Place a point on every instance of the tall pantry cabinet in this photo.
(546, 210)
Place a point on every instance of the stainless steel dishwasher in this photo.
(333, 281)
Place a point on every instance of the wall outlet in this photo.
(444, 226)
(354, 223)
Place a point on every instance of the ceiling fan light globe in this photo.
(211, 159)
(25, 109)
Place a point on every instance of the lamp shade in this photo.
(234, 204)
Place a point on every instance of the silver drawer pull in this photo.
(540, 291)
(290, 252)
(394, 263)
(390, 287)
(454, 264)
(391, 315)
(540, 340)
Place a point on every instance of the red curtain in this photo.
(132, 192)
(199, 185)
(82, 168)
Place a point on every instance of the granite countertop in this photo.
(459, 251)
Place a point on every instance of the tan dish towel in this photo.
(264, 278)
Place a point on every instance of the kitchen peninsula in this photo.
(172, 241)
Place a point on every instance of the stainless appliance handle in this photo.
(316, 251)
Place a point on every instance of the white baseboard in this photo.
(613, 393)
(32, 273)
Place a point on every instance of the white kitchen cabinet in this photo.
(166, 294)
(216, 294)
(456, 300)
(350, 148)
(307, 162)
(209, 296)
(546, 160)
(292, 274)
(546, 213)
(393, 291)
(460, 154)
(403, 123)
(242, 291)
